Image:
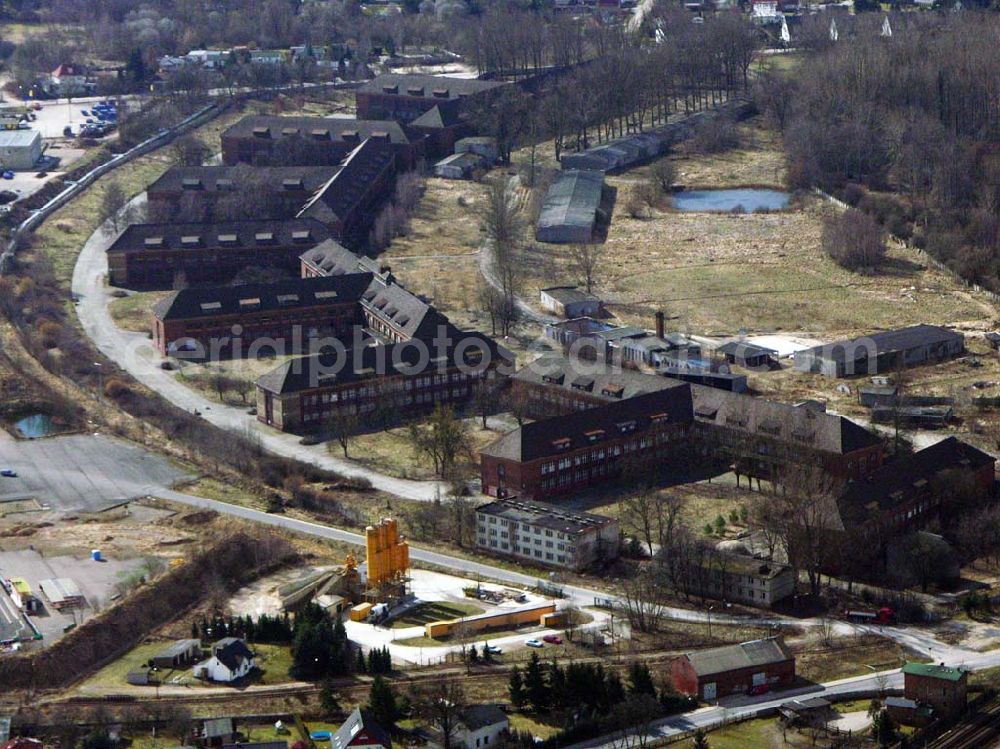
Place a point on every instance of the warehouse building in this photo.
(745, 668)
(20, 150)
(546, 534)
(882, 352)
(571, 302)
(569, 213)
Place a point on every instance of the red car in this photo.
(553, 639)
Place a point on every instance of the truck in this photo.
(884, 615)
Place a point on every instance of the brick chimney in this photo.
(659, 324)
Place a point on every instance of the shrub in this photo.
(853, 193)
(716, 135)
(115, 388)
(854, 240)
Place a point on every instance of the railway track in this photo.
(977, 733)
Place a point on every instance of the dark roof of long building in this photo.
(544, 515)
(305, 180)
(302, 232)
(348, 187)
(886, 341)
(780, 421)
(356, 722)
(894, 482)
(356, 363)
(210, 301)
(315, 129)
(572, 200)
(563, 434)
(427, 86)
(331, 258)
(593, 378)
(737, 657)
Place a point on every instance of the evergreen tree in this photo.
(558, 697)
(360, 665)
(195, 634)
(515, 688)
(700, 740)
(328, 701)
(615, 690)
(640, 680)
(136, 66)
(487, 655)
(535, 686)
(883, 729)
(383, 704)
(473, 653)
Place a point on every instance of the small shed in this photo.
(748, 354)
(812, 711)
(178, 654)
(481, 145)
(459, 166)
(20, 150)
(571, 302)
(569, 213)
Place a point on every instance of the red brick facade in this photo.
(724, 684)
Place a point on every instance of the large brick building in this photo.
(164, 256)
(350, 200)
(762, 438)
(546, 534)
(265, 140)
(942, 688)
(258, 319)
(581, 449)
(554, 385)
(734, 669)
(395, 380)
(199, 193)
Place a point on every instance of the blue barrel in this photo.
(95, 554)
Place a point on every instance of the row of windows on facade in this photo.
(366, 407)
(368, 391)
(325, 322)
(526, 539)
(514, 525)
(614, 451)
(536, 553)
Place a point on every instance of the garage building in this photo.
(20, 150)
(734, 669)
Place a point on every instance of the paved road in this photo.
(135, 353)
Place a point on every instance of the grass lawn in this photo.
(392, 452)
(274, 661)
(133, 312)
(114, 674)
(435, 612)
(762, 733)
(419, 642)
(223, 492)
(531, 724)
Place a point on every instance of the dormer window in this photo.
(224, 185)
(595, 435)
(561, 444)
(284, 300)
(554, 378)
(153, 242)
(613, 391)
(320, 134)
(228, 239)
(262, 132)
(191, 240)
(190, 183)
(626, 427)
(289, 131)
(659, 418)
(301, 236)
(415, 90)
(264, 236)
(291, 184)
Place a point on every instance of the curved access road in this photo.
(135, 353)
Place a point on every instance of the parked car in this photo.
(553, 639)
(493, 649)
(8, 174)
(8, 473)
(68, 131)
(535, 643)
(85, 112)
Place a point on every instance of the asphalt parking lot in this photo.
(81, 473)
(96, 581)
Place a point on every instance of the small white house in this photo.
(481, 726)
(231, 661)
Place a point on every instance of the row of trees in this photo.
(265, 628)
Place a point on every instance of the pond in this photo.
(727, 200)
(36, 425)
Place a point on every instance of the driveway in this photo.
(135, 353)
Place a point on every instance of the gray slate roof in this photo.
(223, 235)
(569, 374)
(227, 178)
(431, 86)
(357, 721)
(886, 341)
(333, 259)
(178, 648)
(751, 654)
(781, 421)
(210, 301)
(348, 187)
(570, 294)
(268, 127)
(475, 717)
